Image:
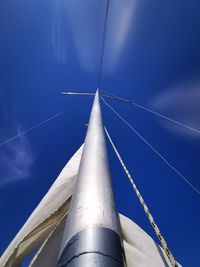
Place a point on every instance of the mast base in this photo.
(94, 246)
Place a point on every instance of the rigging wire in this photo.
(37, 125)
(152, 148)
(103, 45)
(158, 114)
(144, 205)
(77, 93)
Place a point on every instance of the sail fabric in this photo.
(49, 251)
(44, 218)
(45, 227)
(140, 249)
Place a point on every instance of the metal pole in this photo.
(92, 232)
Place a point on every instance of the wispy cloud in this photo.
(59, 38)
(83, 18)
(182, 103)
(84, 21)
(122, 15)
(16, 159)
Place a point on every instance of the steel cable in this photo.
(153, 149)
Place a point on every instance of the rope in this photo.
(153, 149)
(103, 45)
(159, 114)
(142, 202)
(36, 125)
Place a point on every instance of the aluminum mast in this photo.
(92, 231)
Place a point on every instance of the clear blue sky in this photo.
(152, 56)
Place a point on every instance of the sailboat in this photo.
(76, 223)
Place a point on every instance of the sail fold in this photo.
(48, 253)
(44, 218)
(140, 249)
(45, 227)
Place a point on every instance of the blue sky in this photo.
(152, 57)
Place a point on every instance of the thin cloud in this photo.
(121, 22)
(59, 39)
(181, 103)
(16, 159)
(84, 22)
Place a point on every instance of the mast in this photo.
(92, 232)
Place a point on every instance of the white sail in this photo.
(44, 218)
(49, 251)
(45, 228)
(140, 249)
